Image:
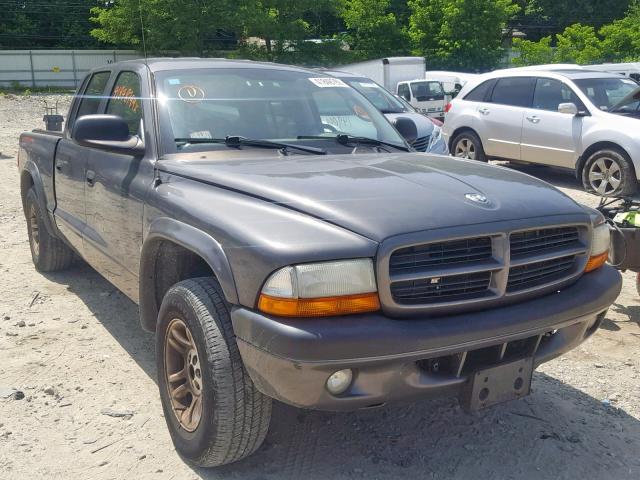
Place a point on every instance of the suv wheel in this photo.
(609, 173)
(49, 253)
(213, 410)
(468, 145)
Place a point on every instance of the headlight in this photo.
(321, 289)
(436, 135)
(599, 246)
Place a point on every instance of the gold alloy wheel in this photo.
(183, 375)
(35, 230)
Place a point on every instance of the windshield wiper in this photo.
(238, 141)
(346, 139)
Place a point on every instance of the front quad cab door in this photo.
(71, 166)
(549, 136)
(500, 119)
(116, 184)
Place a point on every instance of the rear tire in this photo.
(468, 145)
(609, 173)
(229, 417)
(49, 253)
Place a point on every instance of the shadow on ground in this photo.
(553, 434)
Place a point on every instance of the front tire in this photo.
(49, 253)
(609, 173)
(214, 412)
(468, 145)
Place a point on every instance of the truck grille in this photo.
(539, 273)
(462, 271)
(421, 143)
(441, 289)
(416, 258)
(535, 241)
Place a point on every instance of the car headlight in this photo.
(321, 289)
(600, 239)
(436, 135)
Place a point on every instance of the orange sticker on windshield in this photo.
(361, 113)
(191, 94)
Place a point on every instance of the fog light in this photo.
(339, 381)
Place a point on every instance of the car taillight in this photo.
(447, 107)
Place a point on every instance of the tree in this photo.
(578, 44)
(460, 34)
(533, 53)
(373, 31)
(621, 39)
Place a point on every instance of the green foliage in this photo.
(621, 39)
(533, 53)
(578, 44)
(373, 30)
(460, 34)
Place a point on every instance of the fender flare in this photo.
(190, 238)
(31, 169)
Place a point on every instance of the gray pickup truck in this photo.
(284, 242)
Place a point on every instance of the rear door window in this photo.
(549, 93)
(125, 100)
(515, 91)
(93, 94)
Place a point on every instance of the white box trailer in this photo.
(631, 70)
(388, 71)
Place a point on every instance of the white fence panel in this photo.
(54, 68)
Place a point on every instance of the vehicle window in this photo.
(549, 93)
(514, 91)
(606, 93)
(427, 91)
(635, 76)
(93, 94)
(403, 91)
(481, 92)
(125, 100)
(265, 104)
(382, 99)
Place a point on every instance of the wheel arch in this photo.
(601, 146)
(174, 251)
(30, 178)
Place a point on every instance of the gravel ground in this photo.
(71, 343)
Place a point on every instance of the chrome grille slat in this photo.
(421, 143)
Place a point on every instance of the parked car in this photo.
(578, 119)
(452, 82)
(429, 137)
(388, 71)
(276, 256)
(427, 96)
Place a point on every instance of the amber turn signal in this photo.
(319, 307)
(596, 262)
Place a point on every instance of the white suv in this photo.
(578, 119)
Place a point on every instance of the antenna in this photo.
(144, 43)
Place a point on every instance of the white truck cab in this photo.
(427, 96)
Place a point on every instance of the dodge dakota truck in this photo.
(284, 241)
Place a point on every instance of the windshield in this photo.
(263, 104)
(606, 93)
(381, 98)
(427, 91)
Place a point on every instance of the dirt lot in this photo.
(72, 344)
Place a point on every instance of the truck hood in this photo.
(379, 195)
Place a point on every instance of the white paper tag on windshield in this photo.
(324, 82)
(369, 84)
(201, 134)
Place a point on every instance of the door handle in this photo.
(91, 178)
(484, 111)
(533, 118)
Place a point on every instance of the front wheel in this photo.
(213, 410)
(468, 145)
(609, 173)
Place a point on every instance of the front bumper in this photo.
(291, 359)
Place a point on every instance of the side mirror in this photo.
(568, 108)
(407, 128)
(106, 132)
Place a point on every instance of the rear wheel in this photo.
(213, 410)
(49, 253)
(468, 145)
(609, 173)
